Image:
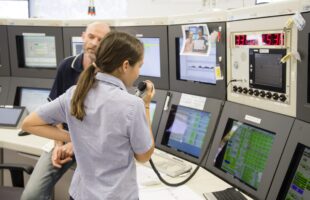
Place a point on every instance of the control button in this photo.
(245, 90)
(239, 89)
(282, 97)
(256, 92)
(268, 95)
(262, 93)
(235, 88)
(250, 91)
(275, 96)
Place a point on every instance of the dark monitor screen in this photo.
(296, 185)
(77, 45)
(36, 51)
(244, 151)
(196, 68)
(31, 98)
(151, 65)
(10, 116)
(266, 70)
(186, 129)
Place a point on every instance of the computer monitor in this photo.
(195, 74)
(155, 67)
(187, 125)
(35, 51)
(11, 116)
(303, 71)
(292, 178)
(4, 89)
(247, 147)
(77, 45)
(73, 43)
(29, 92)
(4, 53)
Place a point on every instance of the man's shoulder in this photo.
(66, 63)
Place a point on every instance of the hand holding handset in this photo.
(146, 91)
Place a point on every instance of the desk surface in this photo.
(202, 182)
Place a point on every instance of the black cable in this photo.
(233, 80)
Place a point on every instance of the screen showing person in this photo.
(186, 129)
(296, 185)
(31, 98)
(151, 65)
(244, 151)
(77, 45)
(39, 51)
(196, 68)
(10, 116)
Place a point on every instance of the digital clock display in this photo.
(260, 39)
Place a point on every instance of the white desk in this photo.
(202, 182)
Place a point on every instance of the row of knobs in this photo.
(263, 94)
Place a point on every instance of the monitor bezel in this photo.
(303, 71)
(299, 136)
(18, 82)
(14, 31)
(213, 106)
(217, 90)
(159, 31)
(5, 85)
(4, 53)
(273, 122)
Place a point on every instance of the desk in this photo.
(202, 182)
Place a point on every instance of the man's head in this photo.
(92, 36)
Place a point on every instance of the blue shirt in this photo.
(114, 128)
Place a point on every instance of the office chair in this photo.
(16, 170)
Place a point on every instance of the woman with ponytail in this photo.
(109, 128)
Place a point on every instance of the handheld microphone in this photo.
(140, 89)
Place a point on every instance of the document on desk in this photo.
(169, 193)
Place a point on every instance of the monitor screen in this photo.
(152, 110)
(151, 66)
(77, 45)
(244, 151)
(10, 116)
(186, 129)
(31, 98)
(296, 185)
(266, 70)
(39, 51)
(196, 68)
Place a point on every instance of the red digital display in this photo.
(256, 39)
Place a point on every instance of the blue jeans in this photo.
(43, 178)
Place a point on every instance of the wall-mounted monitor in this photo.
(187, 125)
(292, 178)
(247, 147)
(4, 52)
(35, 51)
(196, 74)
(73, 43)
(155, 67)
(303, 71)
(4, 89)
(29, 92)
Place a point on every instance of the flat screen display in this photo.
(296, 185)
(32, 98)
(196, 68)
(266, 70)
(39, 51)
(10, 116)
(244, 151)
(151, 65)
(152, 110)
(77, 45)
(186, 129)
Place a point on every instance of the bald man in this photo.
(53, 164)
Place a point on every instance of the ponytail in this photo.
(85, 82)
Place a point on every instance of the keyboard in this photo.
(228, 194)
(171, 166)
